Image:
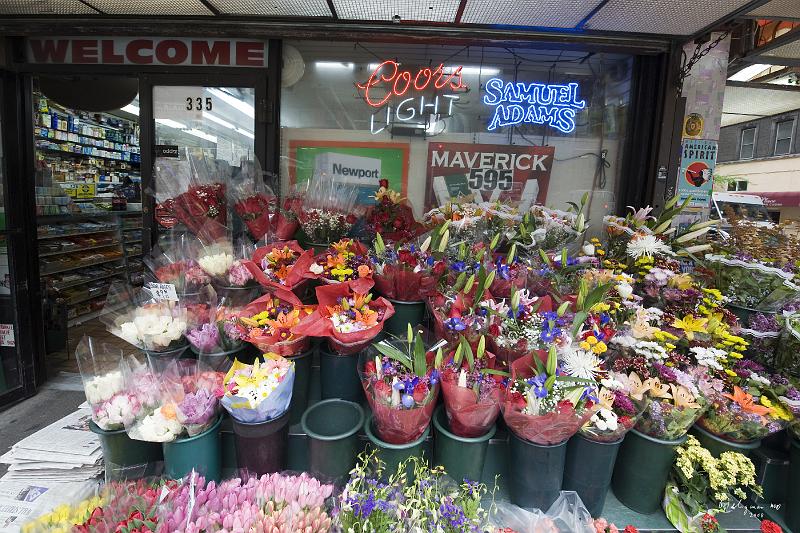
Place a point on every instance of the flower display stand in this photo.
(394, 454)
(339, 376)
(262, 447)
(405, 313)
(202, 453)
(332, 427)
(792, 506)
(302, 383)
(536, 472)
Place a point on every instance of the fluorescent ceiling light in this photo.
(749, 72)
(245, 133)
(130, 108)
(483, 71)
(231, 100)
(218, 120)
(170, 123)
(201, 134)
(334, 65)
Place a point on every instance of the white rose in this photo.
(101, 388)
(624, 290)
(316, 268)
(588, 249)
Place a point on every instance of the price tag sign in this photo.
(163, 291)
(7, 335)
(85, 191)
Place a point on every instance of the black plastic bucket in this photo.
(588, 470)
(262, 447)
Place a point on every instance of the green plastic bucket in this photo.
(332, 427)
(717, 445)
(302, 382)
(744, 313)
(642, 469)
(222, 361)
(394, 454)
(588, 470)
(792, 507)
(405, 313)
(535, 472)
(230, 467)
(236, 296)
(159, 361)
(201, 453)
(338, 376)
(461, 457)
(772, 474)
(126, 458)
(262, 447)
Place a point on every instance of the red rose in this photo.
(626, 421)
(351, 218)
(439, 268)
(385, 200)
(565, 404)
(406, 257)
(398, 223)
(383, 182)
(369, 368)
(420, 392)
(494, 330)
(767, 526)
(382, 390)
(630, 529)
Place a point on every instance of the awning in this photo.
(780, 199)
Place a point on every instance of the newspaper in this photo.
(22, 501)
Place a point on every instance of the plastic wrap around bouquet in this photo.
(191, 191)
(752, 284)
(403, 271)
(462, 311)
(270, 320)
(616, 412)
(173, 262)
(224, 258)
(401, 383)
(345, 261)
(392, 216)
(193, 390)
(349, 319)
(552, 229)
(253, 200)
(787, 358)
(259, 392)
(473, 389)
(523, 324)
(140, 318)
(538, 411)
(216, 329)
(510, 273)
(281, 265)
(328, 209)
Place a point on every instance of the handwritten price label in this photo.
(163, 291)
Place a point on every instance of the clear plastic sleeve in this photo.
(216, 329)
(328, 209)
(173, 261)
(194, 391)
(566, 515)
(254, 201)
(103, 383)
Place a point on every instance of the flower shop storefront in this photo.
(420, 261)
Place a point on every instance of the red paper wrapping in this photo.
(284, 227)
(548, 429)
(255, 212)
(202, 203)
(298, 273)
(399, 283)
(318, 323)
(461, 303)
(272, 343)
(469, 417)
(509, 354)
(501, 288)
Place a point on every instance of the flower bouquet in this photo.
(473, 389)
(557, 275)
(259, 392)
(104, 384)
(283, 265)
(748, 408)
(270, 319)
(401, 382)
(193, 391)
(762, 334)
(327, 212)
(463, 309)
(701, 486)
(616, 414)
(254, 201)
(787, 359)
(552, 229)
(510, 272)
(344, 261)
(224, 260)
(469, 220)
(216, 331)
(349, 319)
(544, 404)
(400, 271)
(173, 262)
(285, 222)
(392, 216)
(142, 320)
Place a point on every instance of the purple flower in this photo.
(623, 403)
(455, 324)
(233, 332)
(205, 338)
(666, 373)
(239, 275)
(198, 407)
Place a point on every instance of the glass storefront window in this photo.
(507, 124)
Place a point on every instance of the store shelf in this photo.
(66, 152)
(42, 274)
(48, 128)
(62, 286)
(77, 217)
(77, 234)
(88, 297)
(62, 252)
(88, 145)
(80, 319)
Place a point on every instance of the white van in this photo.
(747, 206)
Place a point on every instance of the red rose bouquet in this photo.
(281, 265)
(401, 383)
(344, 261)
(392, 216)
(473, 389)
(253, 200)
(349, 319)
(270, 320)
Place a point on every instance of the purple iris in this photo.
(537, 384)
(503, 270)
(604, 319)
(455, 324)
(408, 401)
(430, 261)
(434, 377)
(589, 394)
(550, 334)
(550, 315)
(482, 311)
(458, 266)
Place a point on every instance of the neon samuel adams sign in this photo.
(400, 95)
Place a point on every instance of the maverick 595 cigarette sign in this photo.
(488, 172)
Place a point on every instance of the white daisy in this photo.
(581, 364)
(647, 245)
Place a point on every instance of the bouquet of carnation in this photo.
(349, 319)
(283, 265)
(100, 366)
(403, 271)
(270, 320)
(463, 310)
(701, 486)
(616, 412)
(544, 404)
(141, 319)
(259, 392)
(173, 262)
(401, 383)
(344, 261)
(748, 408)
(217, 329)
(253, 200)
(193, 390)
(327, 213)
(191, 191)
(392, 216)
(473, 389)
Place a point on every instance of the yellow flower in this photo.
(599, 348)
(585, 345)
(591, 339)
(691, 325)
(766, 401)
(669, 346)
(735, 355)
(680, 281)
(600, 307)
(779, 411)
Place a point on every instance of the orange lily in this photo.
(282, 272)
(746, 402)
(368, 317)
(342, 245)
(359, 300)
(284, 321)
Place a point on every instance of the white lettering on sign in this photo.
(163, 291)
(489, 160)
(7, 335)
(160, 51)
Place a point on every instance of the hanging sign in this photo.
(532, 103)
(159, 51)
(695, 178)
(410, 96)
(488, 172)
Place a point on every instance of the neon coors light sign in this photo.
(532, 103)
